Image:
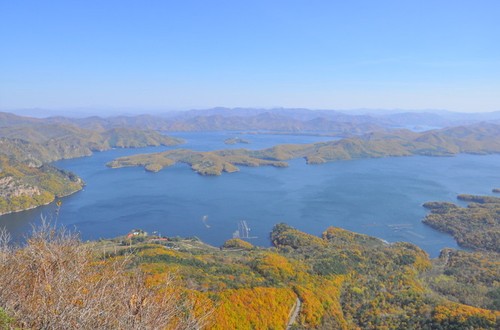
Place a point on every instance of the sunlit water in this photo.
(379, 197)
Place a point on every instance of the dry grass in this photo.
(55, 282)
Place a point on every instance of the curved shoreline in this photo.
(45, 204)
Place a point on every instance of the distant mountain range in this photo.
(278, 119)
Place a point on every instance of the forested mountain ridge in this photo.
(343, 280)
(476, 139)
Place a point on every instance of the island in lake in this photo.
(474, 139)
(236, 140)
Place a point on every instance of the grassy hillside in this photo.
(477, 139)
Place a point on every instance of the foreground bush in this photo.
(56, 282)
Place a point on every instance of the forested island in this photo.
(236, 140)
(474, 139)
(204, 163)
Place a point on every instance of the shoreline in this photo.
(36, 206)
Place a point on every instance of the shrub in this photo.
(55, 282)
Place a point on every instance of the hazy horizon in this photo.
(264, 54)
(81, 112)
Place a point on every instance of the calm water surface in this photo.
(379, 197)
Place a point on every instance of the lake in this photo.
(379, 197)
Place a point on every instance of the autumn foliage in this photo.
(341, 280)
(56, 282)
(253, 308)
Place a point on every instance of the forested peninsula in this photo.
(470, 277)
(28, 145)
(474, 139)
(476, 226)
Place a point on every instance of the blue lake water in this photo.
(378, 197)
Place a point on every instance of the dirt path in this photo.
(294, 313)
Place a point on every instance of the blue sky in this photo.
(197, 54)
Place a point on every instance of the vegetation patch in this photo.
(477, 226)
